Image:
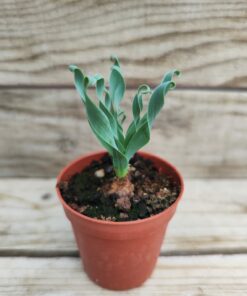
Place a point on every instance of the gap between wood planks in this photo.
(129, 87)
(75, 254)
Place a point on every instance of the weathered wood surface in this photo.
(204, 133)
(210, 219)
(198, 275)
(206, 39)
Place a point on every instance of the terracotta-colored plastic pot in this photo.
(119, 255)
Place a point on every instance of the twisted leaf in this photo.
(106, 118)
(117, 86)
(137, 105)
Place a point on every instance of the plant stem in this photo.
(122, 172)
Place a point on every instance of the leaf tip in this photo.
(177, 72)
(72, 67)
(115, 60)
(172, 85)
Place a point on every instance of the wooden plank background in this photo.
(203, 129)
(197, 276)
(202, 132)
(205, 39)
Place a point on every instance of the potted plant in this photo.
(119, 201)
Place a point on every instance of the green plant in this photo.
(106, 118)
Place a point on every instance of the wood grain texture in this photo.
(204, 133)
(205, 39)
(204, 276)
(210, 219)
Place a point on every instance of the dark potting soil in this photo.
(92, 191)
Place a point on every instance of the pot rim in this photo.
(121, 223)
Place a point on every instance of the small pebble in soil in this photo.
(100, 173)
(123, 216)
(82, 209)
(132, 169)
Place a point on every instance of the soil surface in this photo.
(97, 193)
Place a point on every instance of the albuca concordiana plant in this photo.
(106, 118)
